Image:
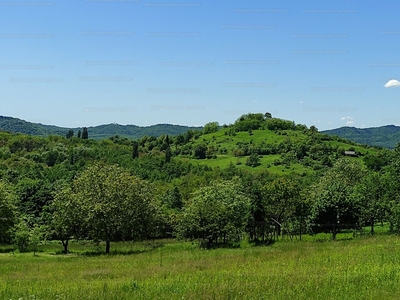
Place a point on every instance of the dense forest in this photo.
(258, 179)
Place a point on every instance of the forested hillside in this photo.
(258, 178)
(15, 125)
(384, 136)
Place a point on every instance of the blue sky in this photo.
(89, 62)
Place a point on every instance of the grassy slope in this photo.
(229, 142)
(364, 268)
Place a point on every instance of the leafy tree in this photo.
(268, 115)
(180, 139)
(79, 134)
(313, 129)
(258, 227)
(172, 198)
(27, 236)
(85, 134)
(253, 160)
(37, 236)
(70, 134)
(34, 195)
(116, 205)
(217, 212)
(370, 192)
(375, 162)
(21, 235)
(64, 216)
(168, 155)
(135, 149)
(211, 127)
(281, 197)
(333, 207)
(200, 151)
(8, 211)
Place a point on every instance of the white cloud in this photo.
(346, 118)
(349, 122)
(392, 83)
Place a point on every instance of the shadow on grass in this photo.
(99, 251)
(263, 243)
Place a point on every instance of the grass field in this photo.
(361, 268)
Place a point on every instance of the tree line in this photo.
(117, 189)
(107, 203)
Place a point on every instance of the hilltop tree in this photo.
(313, 129)
(85, 134)
(70, 134)
(211, 127)
(79, 134)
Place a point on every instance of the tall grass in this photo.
(363, 268)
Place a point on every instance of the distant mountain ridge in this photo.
(387, 136)
(16, 125)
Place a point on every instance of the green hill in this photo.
(385, 136)
(256, 143)
(15, 125)
(253, 143)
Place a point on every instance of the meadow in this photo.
(315, 268)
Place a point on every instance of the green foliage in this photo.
(135, 149)
(215, 214)
(211, 127)
(333, 207)
(115, 204)
(385, 136)
(200, 151)
(8, 211)
(69, 134)
(371, 195)
(253, 160)
(85, 134)
(21, 235)
(28, 237)
(15, 125)
(65, 215)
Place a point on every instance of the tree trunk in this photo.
(300, 230)
(107, 247)
(334, 232)
(65, 245)
(372, 226)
